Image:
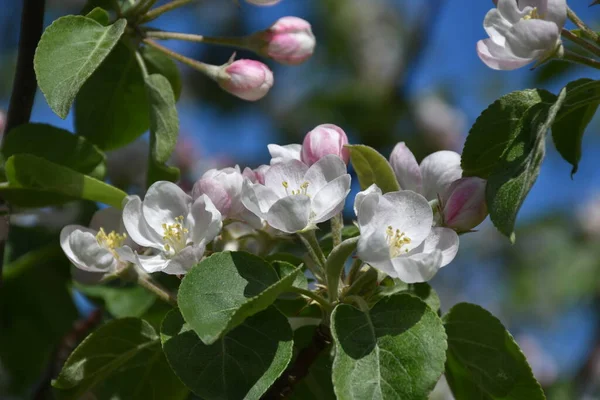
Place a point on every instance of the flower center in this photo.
(302, 190)
(175, 235)
(397, 241)
(533, 14)
(110, 241)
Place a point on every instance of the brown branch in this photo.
(23, 93)
(284, 385)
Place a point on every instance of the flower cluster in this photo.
(409, 234)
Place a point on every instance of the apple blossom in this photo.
(438, 179)
(465, 207)
(522, 31)
(285, 153)
(101, 248)
(171, 224)
(289, 41)
(296, 197)
(324, 139)
(397, 237)
(247, 79)
(224, 188)
(256, 175)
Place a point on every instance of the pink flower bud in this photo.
(256, 175)
(289, 41)
(323, 140)
(263, 2)
(466, 207)
(247, 79)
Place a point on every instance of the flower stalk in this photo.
(158, 11)
(578, 59)
(581, 25)
(146, 281)
(567, 34)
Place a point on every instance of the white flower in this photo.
(522, 31)
(296, 197)
(224, 188)
(432, 178)
(173, 225)
(101, 248)
(285, 153)
(397, 238)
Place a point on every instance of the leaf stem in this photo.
(327, 306)
(337, 224)
(146, 281)
(360, 302)
(158, 11)
(142, 64)
(578, 59)
(581, 42)
(581, 25)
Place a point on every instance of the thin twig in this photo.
(581, 42)
(158, 11)
(576, 58)
(189, 37)
(200, 66)
(146, 281)
(581, 25)
(313, 296)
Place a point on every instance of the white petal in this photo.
(406, 168)
(406, 211)
(533, 38)
(439, 170)
(258, 198)
(510, 10)
(385, 266)
(164, 202)
(214, 189)
(499, 57)
(418, 268)
(290, 173)
(371, 196)
(183, 261)
(290, 214)
(325, 170)
(136, 226)
(373, 246)
(151, 264)
(204, 220)
(284, 153)
(82, 249)
(443, 239)
(550, 10)
(330, 200)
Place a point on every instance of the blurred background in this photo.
(385, 71)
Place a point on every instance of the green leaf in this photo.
(223, 290)
(396, 351)
(241, 365)
(32, 198)
(496, 129)
(519, 166)
(112, 107)
(99, 15)
(53, 144)
(164, 126)
(122, 359)
(317, 384)
(69, 52)
(120, 302)
(484, 361)
(285, 268)
(159, 63)
(110, 5)
(581, 103)
(424, 291)
(371, 167)
(31, 172)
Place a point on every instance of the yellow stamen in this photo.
(175, 235)
(397, 241)
(533, 14)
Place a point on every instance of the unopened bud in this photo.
(247, 79)
(466, 207)
(324, 140)
(288, 41)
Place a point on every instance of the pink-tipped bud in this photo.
(288, 41)
(466, 207)
(263, 2)
(247, 79)
(323, 140)
(256, 175)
